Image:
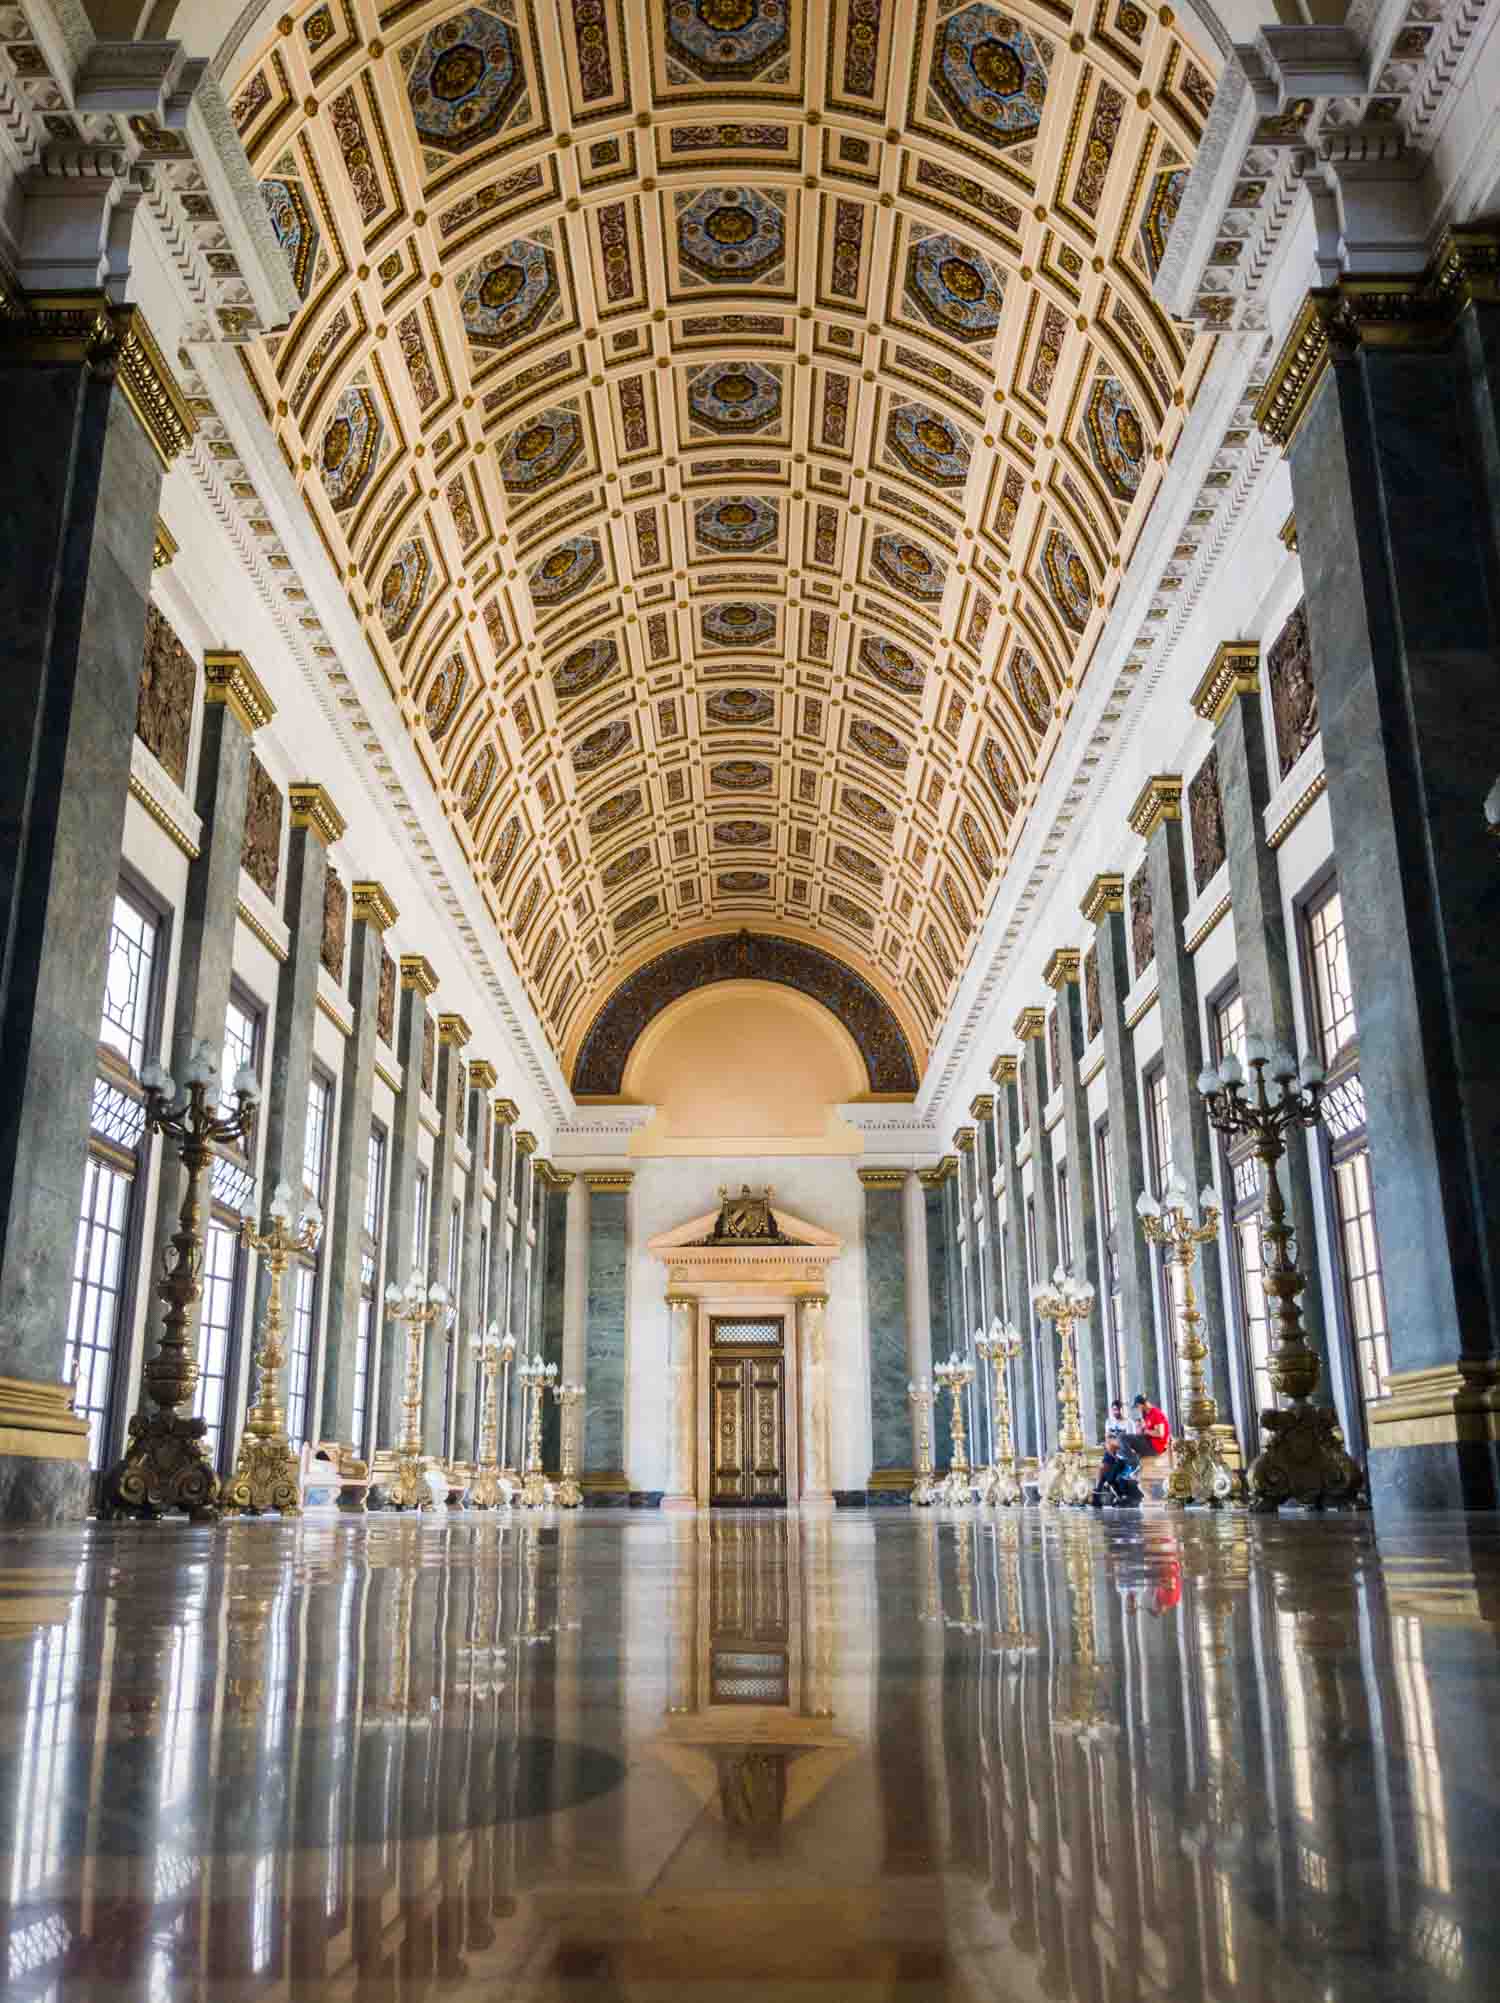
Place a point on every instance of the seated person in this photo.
(1153, 1434)
(1119, 1463)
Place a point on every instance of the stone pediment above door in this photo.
(747, 1238)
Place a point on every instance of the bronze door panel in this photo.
(747, 1430)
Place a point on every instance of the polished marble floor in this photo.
(752, 1759)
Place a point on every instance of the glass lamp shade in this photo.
(438, 1295)
(1231, 1071)
(1256, 1049)
(1146, 1205)
(1313, 1072)
(1208, 1081)
(1208, 1197)
(246, 1084)
(281, 1203)
(393, 1295)
(153, 1076)
(1283, 1065)
(312, 1216)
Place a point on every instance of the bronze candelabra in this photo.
(490, 1489)
(1069, 1474)
(536, 1377)
(1304, 1459)
(416, 1306)
(165, 1464)
(924, 1489)
(569, 1398)
(1001, 1483)
(1199, 1472)
(266, 1474)
(955, 1376)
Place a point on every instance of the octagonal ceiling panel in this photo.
(731, 421)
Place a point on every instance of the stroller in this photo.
(1117, 1478)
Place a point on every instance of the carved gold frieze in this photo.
(1104, 896)
(372, 905)
(1029, 1024)
(1062, 968)
(1160, 799)
(453, 1029)
(312, 807)
(1234, 671)
(229, 678)
(418, 973)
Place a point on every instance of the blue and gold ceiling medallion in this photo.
(990, 75)
(538, 450)
(1162, 205)
(929, 445)
(738, 625)
(742, 834)
(742, 522)
(444, 694)
(735, 397)
(508, 294)
(728, 41)
(615, 811)
(477, 785)
(643, 907)
(293, 227)
(602, 746)
(1068, 583)
(891, 664)
(585, 668)
(911, 569)
(1029, 687)
(731, 236)
(851, 913)
(1117, 443)
(858, 865)
(876, 742)
(403, 588)
(463, 81)
(954, 288)
(350, 448)
(625, 866)
(575, 562)
(741, 775)
(867, 810)
(739, 706)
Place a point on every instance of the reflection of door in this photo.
(746, 1413)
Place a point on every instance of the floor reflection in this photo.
(751, 1756)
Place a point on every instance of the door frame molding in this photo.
(749, 1304)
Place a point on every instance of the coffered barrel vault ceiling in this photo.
(730, 418)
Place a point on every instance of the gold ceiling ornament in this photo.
(453, 1029)
(1104, 896)
(418, 973)
(311, 806)
(372, 905)
(229, 678)
(1064, 966)
(1030, 1024)
(786, 534)
(1160, 799)
(1234, 671)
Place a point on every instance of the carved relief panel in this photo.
(1206, 818)
(164, 707)
(1142, 924)
(429, 1054)
(335, 924)
(385, 1001)
(1092, 1008)
(1054, 1052)
(1294, 699)
(260, 851)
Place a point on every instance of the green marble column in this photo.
(886, 1284)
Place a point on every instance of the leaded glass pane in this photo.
(129, 961)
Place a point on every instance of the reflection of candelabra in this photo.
(265, 1469)
(1080, 1712)
(166, 1463)
(416, 1306)
(532, 1631)
(536, 1376)
(1198, 1470)
(1068, 1476)
(955, 1376)
(1001, 1483)
(1014, 1639)
(569, 1397)
(965, 1621)
(1304, 1459)
(491, 1488)
(924, 1489)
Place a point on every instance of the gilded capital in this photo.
(228, 678)
(983, 1106)
(681, 1303)
(1030, 1024)
(1062, 967)
(553, 1178)
(372, 906)
(882, 1178)
(453, 1029)
(1005, 1070)
(418, 973)
(525, 1142)
(164, 546)
(963, 1140)
(940, 1172)
(483, 1075)
(1288, 534)
(507, 1112)
(1234, 671)
(818, 1301)
(88, 327)
(312, 807)
(609, 1178)
(1160, 799)
(1104, 895)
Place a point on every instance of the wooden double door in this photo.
(747, 1412)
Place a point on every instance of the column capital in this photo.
(1234, 671)
(372, 906)
(1030, 1024)
(1104, 895)
(1062, 967)
(963, 1140)
(507, 1112)
(812, 1300)
(940, 1172)
(1287, 534)
(228, 678)
(525, 1142)
(418, 973)
(88, 327)
(1005, 1070)
(312, 807)
(676, 1301)
(453, 1029)
(164, 547)
(982, 1107)
(483, 1076)
(1160, 799)
(883, 1178)
(553, 1178)
(609, 1178)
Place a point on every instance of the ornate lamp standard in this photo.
(536, 1376)
(266, 1475)
(1304, 1460)
(569, 1397)
(166, 1464)
(955, 1376)
(490, 1489)
(924, 1490)
(1198, 1470)
(1000, 1348)
(1068, 1476)
(416, 1305)
(507, 1357)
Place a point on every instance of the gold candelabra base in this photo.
(925, 1490)
(569, 1495)
(1067, 1479)
(536, 1491)
(492, 1488)
(1000, 1485)
(1304, 1460)
(1200, 1473)
(165, 1466)
(409, 1489)
(266, 1479)
(956, 1487)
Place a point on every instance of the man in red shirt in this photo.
(1155, 1434)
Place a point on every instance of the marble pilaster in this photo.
(886, 1282)
(1015, 1297)
(418, 984)
(682, 1401)
(439, 1370)
(472, 1279)
(1030, 1027)
(604, 1478)
(551, 1306)
(523, 1202)
(966, 1243)
(1104, 908)
(942, 1310)
(983, 1229)
(811, 1346)
(373, 913)
(1062, 976)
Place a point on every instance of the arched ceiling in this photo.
(730, 418)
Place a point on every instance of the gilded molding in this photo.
(418, 973)
(342, 1023)
(939, 1173)
(1234, 671)
(229, 678)
(116, 343)
(507, 1112)
(1160, 799)
(525, 1142)
(1064, 966)
(312, 807)
(453, 1029)
(1104, 896)
(1005, 1070)
(982, 1107)
(883, 1178)
(1447, 1404)
(1220, 911)
(964, 1139)
(267, 938)
(142, 793)
(608, 1178)
(372, 906)
(1030, 1024)
(1316, 789)
(164, 548)
(680, 1300)
(553, 1178)
(1288, 534)
(483, 1076)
